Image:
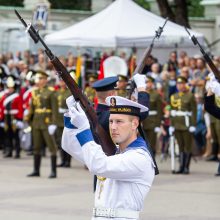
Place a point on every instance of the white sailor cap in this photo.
(121, 105)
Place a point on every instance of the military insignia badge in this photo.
(47, 120)
(113, 101)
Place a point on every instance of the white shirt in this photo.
(126, 178)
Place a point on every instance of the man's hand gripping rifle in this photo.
(139, 68)
(104, 138)
(206, 56)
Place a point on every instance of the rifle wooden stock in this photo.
(211, 64)
(140, 66)
(103, 137)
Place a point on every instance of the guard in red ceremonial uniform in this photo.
(11, 115)
(26, 95)
(26, 90)
(2, 133)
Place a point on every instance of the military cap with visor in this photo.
(181, 79)
(92, 77)
(40, 73)
(105, 84)
(122, 78)
(149, 79)
(121, 105)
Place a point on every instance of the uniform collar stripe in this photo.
(10, 98)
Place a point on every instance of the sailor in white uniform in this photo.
(125, 178)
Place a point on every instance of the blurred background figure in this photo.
(62, 93)
(42, 114)
(11, 116)
(151, 124)
(183, 122)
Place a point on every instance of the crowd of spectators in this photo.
(193, 68)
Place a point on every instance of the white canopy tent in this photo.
(122, 24)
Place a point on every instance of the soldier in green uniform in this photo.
(89, 90)
(42, 114)
(151, 124)
(61, 95)
(122, 85)
(183, 122)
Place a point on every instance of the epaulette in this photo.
(33, 91)
(34, 88)
(51, 88)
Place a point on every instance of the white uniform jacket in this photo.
(124, 179)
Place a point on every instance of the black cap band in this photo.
(123, 109)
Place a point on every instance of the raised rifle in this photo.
(205, 55)
(103, 137)
(140, 66)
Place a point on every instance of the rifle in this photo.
(139, 68)
(103, 137)
(205, 55)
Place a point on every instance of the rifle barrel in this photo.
(205, 55)
(21, 19)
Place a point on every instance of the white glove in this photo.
(52, 129)
(79, 118)
(156, 129)
(71, 102)
(171, 130)
(140, 80)
(26, 111)
(2, 124)
(192, 129)
(208, 85)
(215, 87)
(19, 124)
(211, 77)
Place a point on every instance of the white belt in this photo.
(186, 115)
(180, 113)
(62, 110)
(11, 112)
(115, 213)
(152, 113)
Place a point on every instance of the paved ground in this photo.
(70, 197)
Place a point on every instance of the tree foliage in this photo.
(195, 9)
(11, 2)
(71, 4)
(143, 4)
(179, 10)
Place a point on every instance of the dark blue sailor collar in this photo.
(102, 108)
(139, 143)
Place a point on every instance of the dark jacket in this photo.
(211, 107)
